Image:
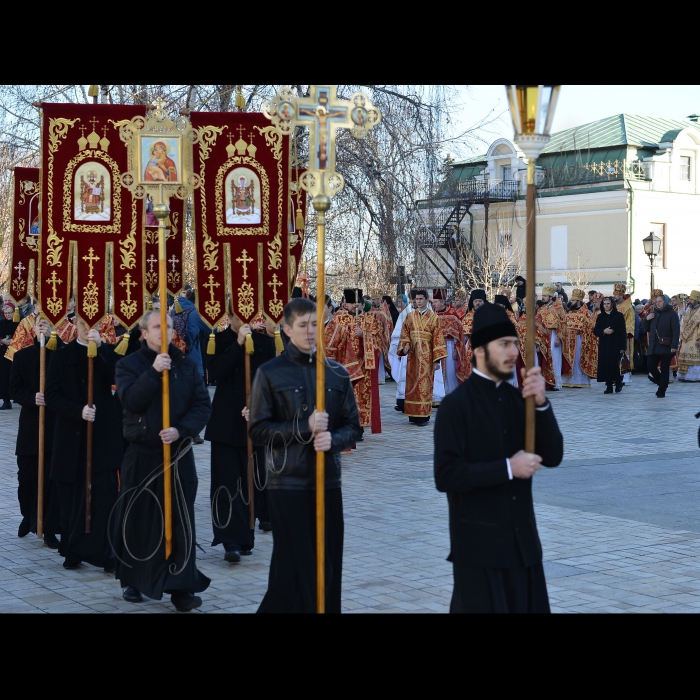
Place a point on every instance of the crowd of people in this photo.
(430, 346)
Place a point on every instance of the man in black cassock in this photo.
(282, 417)
(139, 541)
(24, 389)
(66, 395)
(227, 431)
(481, 464)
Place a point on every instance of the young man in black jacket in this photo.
(227, 431)
(282, 417)
(24, 389)
(139, 538)
(481, 464)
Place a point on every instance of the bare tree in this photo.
(579, 277)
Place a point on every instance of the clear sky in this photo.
(578, 104)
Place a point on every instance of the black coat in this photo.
(7, 330)
(227, 367)
(282, 399)
(610, 345)
(24, 386)
(665, 324)
(66, 396)
(139, 387)
(492, 519)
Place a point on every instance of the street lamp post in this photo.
(652, 247)
(532, 111)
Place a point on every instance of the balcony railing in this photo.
(590, 173)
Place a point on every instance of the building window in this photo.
(506, 172)
(660, 231)
(685, 167)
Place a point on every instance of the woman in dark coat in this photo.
(611, 331)
(663, 323)
(7, 330)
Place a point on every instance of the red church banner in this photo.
(241, 216)
(25, 232)
(297, 197)
(174, 246)
(88, 219)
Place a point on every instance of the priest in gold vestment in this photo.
(689, 353)
(422, 341)
(625, 307)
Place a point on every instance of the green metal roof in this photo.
(618, 130)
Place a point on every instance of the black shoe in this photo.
(184, 602)
(652, 380)
(71, 563)
(51, 541)
(661, 394)
(6, 406)
(246, 552)
(608, 391)
(24, 528)
(131, 595)
(618, 388)
(398, 408)
(232, 555)
(198, 440)
(421, 423)
(265, 525)
(110, 568)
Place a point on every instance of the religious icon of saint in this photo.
(92, 197)
(243, 197)
(359, 115)
(160, 167)
(285, 111)
(34, 228)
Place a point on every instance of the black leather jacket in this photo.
(282, 399)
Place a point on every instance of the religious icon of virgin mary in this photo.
(160, 167)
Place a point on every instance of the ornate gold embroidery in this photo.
(173, 278)
(222, 229)
(27, 188)
(58, 129)
(54, 304)
(68, 225)
(246, 305)
(90, 299)
(31, 241)
(18, 286)
(128, 307)
(128, 245)
(206, 137)
(274, 250)
(212, 307)
(276, 305)
(172, 231)
(273, 139)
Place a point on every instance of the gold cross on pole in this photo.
(324, 114)
(128, 284)
(244, 259)
(90, 259)
(53, 282)
(211, 286)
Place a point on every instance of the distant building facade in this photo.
(602, 187)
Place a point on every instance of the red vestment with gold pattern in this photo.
(423, 343)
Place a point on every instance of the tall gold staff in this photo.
(42, 438)
(532, 111)
(324, 114)
(161, 212)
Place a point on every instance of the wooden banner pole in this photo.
(251, 489)
(88, 461)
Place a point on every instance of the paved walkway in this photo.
(606, 549)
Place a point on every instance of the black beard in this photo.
(503, 376)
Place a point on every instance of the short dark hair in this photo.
(297, 307)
